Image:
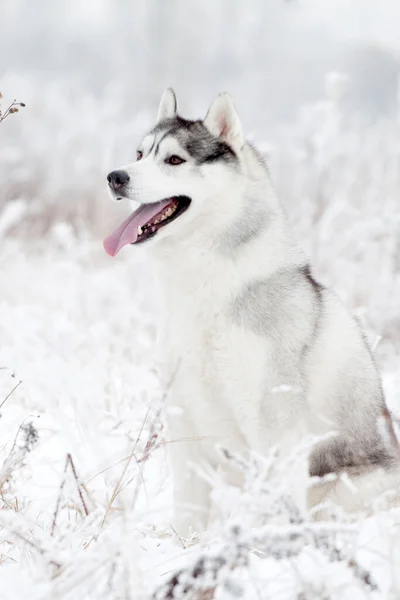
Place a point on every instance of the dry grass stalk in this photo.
(25, 440)
(69, 463)
(11, 109)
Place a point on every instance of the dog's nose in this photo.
(117, 179)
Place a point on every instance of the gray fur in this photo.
(269, 306)
(266, 354)
(253, 221)
(292, 301)
(195, 138)
(352, 454)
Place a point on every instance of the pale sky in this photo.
(377, 20)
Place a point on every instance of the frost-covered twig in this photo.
(10, 393)
(13, 527)
(212, 568)
(150, 444)
(269, 524)
(78, 483)
(11, 109)
(199, 580)
(68, 462)
(25, 440)
(13, 389)
(386, 424)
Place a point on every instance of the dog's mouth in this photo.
(145, 222)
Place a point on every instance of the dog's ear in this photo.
(223, 121)
(168, 105)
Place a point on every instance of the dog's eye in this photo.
(174, 160)
(139, 155)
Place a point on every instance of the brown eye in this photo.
(139, 155)
(174, 160)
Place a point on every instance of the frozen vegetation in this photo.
(85, 501)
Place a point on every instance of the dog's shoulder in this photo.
(288, 299)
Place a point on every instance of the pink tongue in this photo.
(127, 232)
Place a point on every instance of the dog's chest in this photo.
(220, 370)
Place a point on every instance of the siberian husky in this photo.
(256, 351)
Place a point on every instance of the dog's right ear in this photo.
(168, 105)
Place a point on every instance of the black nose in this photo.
(117, 179)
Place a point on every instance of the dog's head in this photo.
(184, 171)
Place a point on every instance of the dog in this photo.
(257, 353)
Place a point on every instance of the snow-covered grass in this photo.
(85, 492)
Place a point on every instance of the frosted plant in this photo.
(263, 524)
(80, 332)
(11, 109)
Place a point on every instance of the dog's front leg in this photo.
(191, 492)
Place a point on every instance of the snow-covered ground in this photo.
(84, 483)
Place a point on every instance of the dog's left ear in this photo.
(223, 121)
(168, 105)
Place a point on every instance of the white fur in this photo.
(168, 105)
(223, 377)
(223, 121)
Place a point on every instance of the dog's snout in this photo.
(117, 179)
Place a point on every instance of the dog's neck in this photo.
(240, 252)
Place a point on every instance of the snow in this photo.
(84, 482)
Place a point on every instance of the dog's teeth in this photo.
(168, 212)
(139, 230)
